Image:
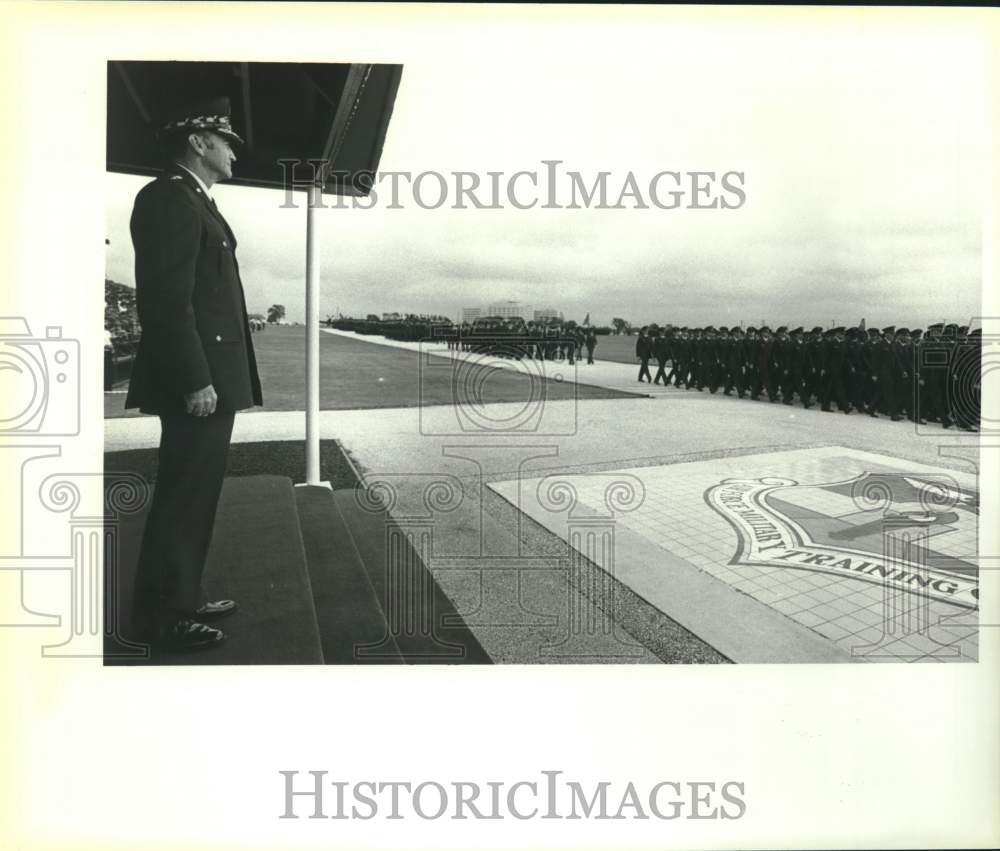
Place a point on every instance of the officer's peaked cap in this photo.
(214, 115)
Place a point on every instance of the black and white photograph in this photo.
(619, 368)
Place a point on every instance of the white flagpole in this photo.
(312, 338)
(356, 79)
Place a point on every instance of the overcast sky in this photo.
(864, 161)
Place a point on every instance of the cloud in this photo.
(862, 158)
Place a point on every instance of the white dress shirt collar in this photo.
(201, 182)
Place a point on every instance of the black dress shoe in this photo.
(185, 634)
(214, 610)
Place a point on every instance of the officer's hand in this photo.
(202, 402)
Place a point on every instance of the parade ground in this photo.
(567, 513)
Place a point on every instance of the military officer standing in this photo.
(194, 369)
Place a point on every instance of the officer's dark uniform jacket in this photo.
(190, 302)
(643, 348)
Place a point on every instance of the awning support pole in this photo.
(312, 338)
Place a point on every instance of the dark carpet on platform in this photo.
(265, 458)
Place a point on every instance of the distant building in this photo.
(509, 310)
(471, 314)
(548, 313)
(388, 317)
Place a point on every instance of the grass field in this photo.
(616, 347)
(358, 374)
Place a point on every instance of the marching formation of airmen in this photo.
(515, 338)
(931, 375)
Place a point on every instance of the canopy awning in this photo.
(283, 110)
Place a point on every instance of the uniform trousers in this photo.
(191, 469)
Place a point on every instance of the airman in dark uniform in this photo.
(735, 363)
(772, 350)
(885, 375)
(643, 351)
(813, 375)
(751, 365)
(835, 370)
(781, 363)
(934, 355)
(661, 351)
(678, 357)
(905, 378)
(797, 367)
(968, 368)
(711, 359)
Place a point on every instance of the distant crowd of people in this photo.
(931, 375)
(514, 338)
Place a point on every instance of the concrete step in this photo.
(348, 610)
(422, 623)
